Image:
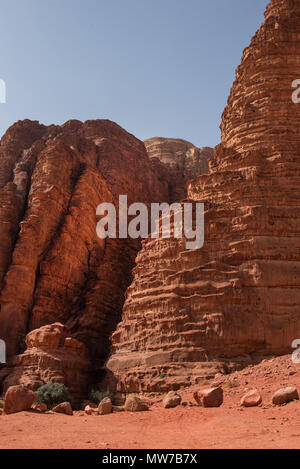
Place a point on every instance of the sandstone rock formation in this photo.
(17, 399)
(53, 267)
(183, 160)
(189, 313)
(52, 355)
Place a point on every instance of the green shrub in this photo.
(52, 394)
(230, 383)
(96, 396)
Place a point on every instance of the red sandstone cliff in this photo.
(61, 285)
(183, 160)
(188, 313)
(53, 266)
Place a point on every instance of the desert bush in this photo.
(52, 394)
(96, 396)
(230, 383)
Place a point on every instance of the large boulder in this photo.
(251, 399)
(171, 400)
(18, 399)
(52, 355)
(285, 395)
(211, 397)
(63, 408)
(105, 406)
(135, 404)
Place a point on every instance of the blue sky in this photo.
(156, 67)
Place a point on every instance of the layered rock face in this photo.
(53, 267)
(183, 160)
(189, 313)
(52, 354)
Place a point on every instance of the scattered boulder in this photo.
(17, 399)
(89, 410)
(105, 406)
(40, 407)
(171, 400)
(211, 397)
(285, 395)
(63, 408)
(134, 404)
(84, 404)
(251, 399)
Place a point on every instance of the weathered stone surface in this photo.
(90, 410)
(17, 399)
(86, 403)
(53, 266)
(189, 313)
(183, 160)
(171, 400)
(40, 407)
(135, 404)
(52, 356)
(63, 408)
(211, 397)
(251, 399)
(285, 395)
(105, 406)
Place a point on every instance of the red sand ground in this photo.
(229, 426)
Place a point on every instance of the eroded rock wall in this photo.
(189, 313)
(182, 159)
(53, 266)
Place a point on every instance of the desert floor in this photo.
(229, 426)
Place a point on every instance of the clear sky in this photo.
(156, 67)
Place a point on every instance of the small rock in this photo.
(285, 395)
(90, 410)
(251, 399)
(40, 407)
(211, 397)
(17, 399)
(63, 408)
(171, 400)
(134, 404)
(105, 406)
(84, 404)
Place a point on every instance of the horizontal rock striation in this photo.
(189, 313)
(182, 159)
